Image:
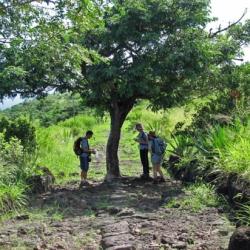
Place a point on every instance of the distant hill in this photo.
(48, 110)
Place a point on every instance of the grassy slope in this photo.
(55, 148)
(55, 142)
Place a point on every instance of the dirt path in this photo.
(127, 214)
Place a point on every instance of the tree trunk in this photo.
(118, 114)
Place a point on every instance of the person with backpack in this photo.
(157, 148)
(142, 139)
(82, 149)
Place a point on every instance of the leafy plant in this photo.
(227, 148)
(20, 128)
(197, 197)
(12, 196)
(243, 214)
(181, 145)
(15, 167)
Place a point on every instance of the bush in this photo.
(234, 150)
(199, 196)
(20, 128)
(243, 214)
(14, 169)
(12, 196)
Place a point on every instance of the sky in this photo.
(225, 10)
(230, 11)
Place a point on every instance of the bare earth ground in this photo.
(126, 214)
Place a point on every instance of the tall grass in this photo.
(12, 196)
(223, 148)
(243, 214)
(56, 146)
(55, 142)
(14, 169)
(198, 197)
(232, 144)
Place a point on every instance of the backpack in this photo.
(77, 146)
(162, 146)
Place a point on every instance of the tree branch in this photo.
(211, 35)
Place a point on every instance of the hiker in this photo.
(142, 139)
(157, 149)
(85, 156)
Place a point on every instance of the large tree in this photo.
(113, 53)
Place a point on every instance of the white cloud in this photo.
(230, 11)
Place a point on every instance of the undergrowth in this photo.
(197, 197)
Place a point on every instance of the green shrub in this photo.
(235, 157)
(19, 128)
(198, 197)
(221, 148)
(12, 196)
(230, 148)
(243, 214)
(15, 167)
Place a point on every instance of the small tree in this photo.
(20, 129)
(117, 52)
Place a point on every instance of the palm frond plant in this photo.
(243, 214)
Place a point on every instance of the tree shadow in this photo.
(116, 198)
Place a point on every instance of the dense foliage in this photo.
(15, 167)
(21, 129)
(218, 139)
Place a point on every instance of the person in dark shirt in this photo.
(142, 140)
(85, 156)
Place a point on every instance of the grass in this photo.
(197, 197)
(89, 213)
(232, 144)
(55, 142)
(243, 214)
(12, 197)
(88, 240)
(53, 213)
(14, 168)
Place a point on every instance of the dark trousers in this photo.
(144, 161)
